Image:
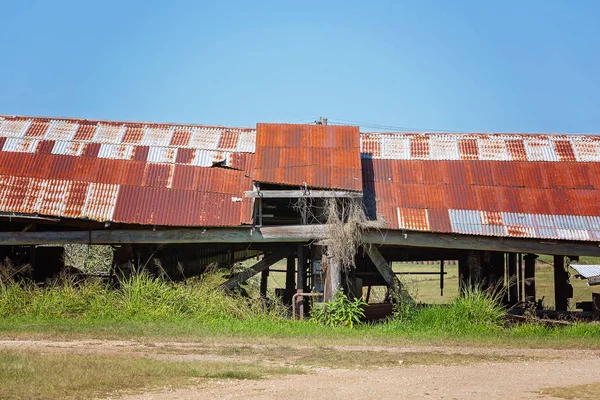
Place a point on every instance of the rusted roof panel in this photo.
(158, 174)
(483, 147)
(555, 200)
(316, 155)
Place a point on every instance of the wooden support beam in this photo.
(264, 281)
(442, 273)
(290, 280)
(529, 275)
(463, 272)
(513, 287)
(497, 270)
(297, 234)
(561, 298)
(472, 242)
(296, 194)
(386, 271)
(263, 264)
(300, 279)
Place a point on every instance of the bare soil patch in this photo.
(348, 372)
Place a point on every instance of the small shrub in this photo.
(341, 311)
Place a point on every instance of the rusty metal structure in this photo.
(481, 199)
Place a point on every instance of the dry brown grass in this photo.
(37, 375)
(583, 392)
(329, 357)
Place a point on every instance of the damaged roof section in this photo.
(137, 173)
(319, 156)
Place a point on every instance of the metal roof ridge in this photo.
(595, 135)
(116, 122)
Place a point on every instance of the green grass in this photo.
(143, 307)
(33, 375)
(138, 298)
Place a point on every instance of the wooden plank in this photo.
(384, 268)
(274, 234)
(471, 242)
(297, 234)
(256, 268)
(295, 194)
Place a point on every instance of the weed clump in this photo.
(477, 310)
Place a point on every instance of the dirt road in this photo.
(438, 374)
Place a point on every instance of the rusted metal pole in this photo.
(299, 295)
(560, 284)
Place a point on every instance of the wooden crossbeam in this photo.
(298, 234)
(385, 269)
(263, 264)
(295, 194)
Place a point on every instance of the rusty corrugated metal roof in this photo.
(483, 147)
(318, 155)
(554, 200)
(140, 173)
(543, 186)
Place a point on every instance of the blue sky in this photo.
(503, 66)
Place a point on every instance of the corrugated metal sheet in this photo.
(484, 147)
(126, 172)
(320, 156)
(554, 200)
(587, 271)
(544, 186)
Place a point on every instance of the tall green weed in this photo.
(138, 297)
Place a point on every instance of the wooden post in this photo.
(300, 279)
(290, 280)
(520, 277)
(463, 271)
(560, 284)
(529, 277)
(441, 277)
(333, 281)
(264, 279)
(513, 288)
(475, 265)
